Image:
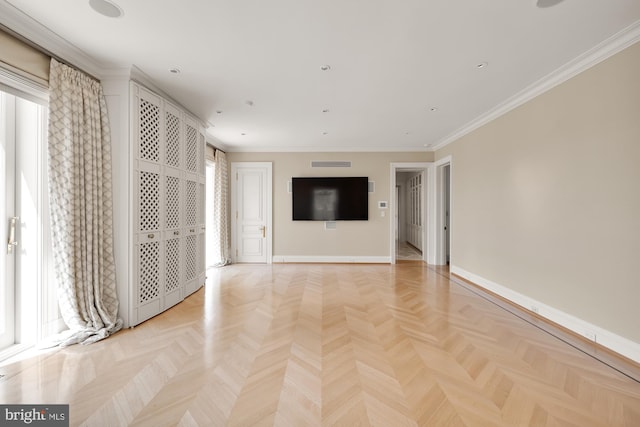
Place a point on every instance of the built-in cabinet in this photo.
(168, 204)
(414, 210)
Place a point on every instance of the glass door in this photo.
(8, 231)
(23, 224)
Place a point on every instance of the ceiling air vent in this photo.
(330, 164)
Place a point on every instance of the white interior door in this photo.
(9, 229)
(251, 212)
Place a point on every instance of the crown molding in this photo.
(609, 47)
(17, 21)
(216, 143)
(322, 149)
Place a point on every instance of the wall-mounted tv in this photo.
(330, 199)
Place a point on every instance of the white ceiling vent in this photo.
(330, 164)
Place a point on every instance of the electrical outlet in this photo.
(534, 309)
(590, 335)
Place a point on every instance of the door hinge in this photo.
(236, 214)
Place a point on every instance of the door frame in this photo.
(234, 206)
(433, 247)
(439, 210)
(424, 167)
(8, 263)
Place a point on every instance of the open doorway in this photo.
(409, 202)
(443, 211)
(409, 218)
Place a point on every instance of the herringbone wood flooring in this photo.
(329, 345)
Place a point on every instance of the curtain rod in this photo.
(215, 148)
(41, 49)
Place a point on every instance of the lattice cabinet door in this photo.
(172, 199)
(173, 242)
(148, 129)
(149, 278)
(191, 142)
(201, 267)
(191, 272)
(202, 169)
(174, 278)
(201, 256)
(174, 124)
(149, 221)
(191, 201)
(148, 198)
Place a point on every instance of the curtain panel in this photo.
(80, 189)
(221, 231)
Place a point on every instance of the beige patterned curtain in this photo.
(221, 231)
(81, 205)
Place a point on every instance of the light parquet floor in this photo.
(329, 345)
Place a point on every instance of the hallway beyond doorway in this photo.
(406, 252)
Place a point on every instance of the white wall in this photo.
(352, 240)
(116, 92)
(546, 200)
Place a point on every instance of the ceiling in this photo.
(404, 74)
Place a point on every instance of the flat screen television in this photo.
(330, 199)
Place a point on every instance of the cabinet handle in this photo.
(193, 230)
(151, 235)
(175, 233)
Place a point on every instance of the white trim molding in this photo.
(323, 149)
(608, 339)
(609, 47)
(331, 259)
(436, 221)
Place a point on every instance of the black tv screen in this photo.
(330, 199)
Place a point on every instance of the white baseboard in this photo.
(608, 339)
(332, 259)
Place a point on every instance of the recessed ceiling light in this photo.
(325, 67)
(243, 134)
(482, 65)
(547, 3)
(106, 8)
(325, 133)
(249, 102)
(218, 111)
(433, 109)
(174, 70)
(326, 110)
